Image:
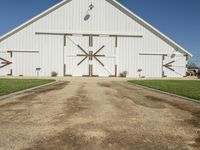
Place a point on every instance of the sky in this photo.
(178, 19)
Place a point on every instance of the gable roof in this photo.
(60, 4)
(118, 6)
(149, 27)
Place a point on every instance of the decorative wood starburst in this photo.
(4, 63)
(90, 55)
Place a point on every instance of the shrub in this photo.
(54, 74)
(123, 74)
(198, 74)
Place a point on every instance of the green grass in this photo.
(187, 88)
(8, 86)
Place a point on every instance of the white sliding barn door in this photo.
(18, 63)
(104, 56)
(174, 66)
(5, 63)
(90, 55)
(75, 57)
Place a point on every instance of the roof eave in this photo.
(153, 29)
(33, 19)
(111, 1)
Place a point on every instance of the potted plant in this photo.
(123, 74)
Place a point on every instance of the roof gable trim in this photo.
(118, 6)
(148, 26)
(27, 23)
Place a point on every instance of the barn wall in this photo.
(128, 55)
(51, 55)
(25, 64)
(151, 66)
(70, 18)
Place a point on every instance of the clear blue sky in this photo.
(178, 19)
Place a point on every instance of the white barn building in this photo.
(90, 38)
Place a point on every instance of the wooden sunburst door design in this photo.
(174, 66)
(90, 56)
(106, 47)
(6, 64)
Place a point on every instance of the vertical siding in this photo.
(104, 18)
(128, 55)
(151, 66)
(51, 54)
(70, 57)
(25, 64)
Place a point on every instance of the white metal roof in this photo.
(117, 5)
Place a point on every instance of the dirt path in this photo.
(98, 114)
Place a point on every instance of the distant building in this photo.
(193, 71)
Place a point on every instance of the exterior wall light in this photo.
(87, 16)
(91, 6)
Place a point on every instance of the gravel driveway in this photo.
(98, 114)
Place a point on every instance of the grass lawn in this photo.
(189, 89)
(8, 86)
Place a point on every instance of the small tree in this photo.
(123, 74)
(191, 65)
